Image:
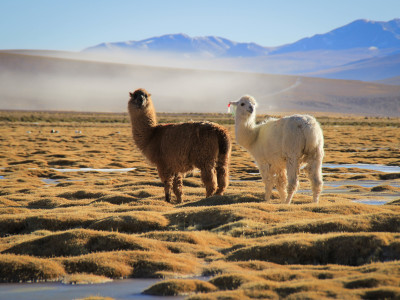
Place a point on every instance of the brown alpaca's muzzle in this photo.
(138, 98)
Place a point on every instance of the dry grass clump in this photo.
(133, 222)
(29, 222)
(175, 287)
(44, 203)
(81, 194)
(202, 218)
(82, 241)
(100, 265)
(232, 281)
(394, 202)
(221, 295)
(382, 221)
(19, 268)
(381, 293)
(344, 248)
(116, 199)
(361, 282)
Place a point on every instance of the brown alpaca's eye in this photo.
(242, 104)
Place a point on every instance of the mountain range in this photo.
(355, 47)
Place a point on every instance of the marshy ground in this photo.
(106, 216)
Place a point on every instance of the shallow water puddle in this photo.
(50, 181)
(372, 167)
(373, 201)
(118, 289)
(362, 183)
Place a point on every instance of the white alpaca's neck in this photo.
(246, 130)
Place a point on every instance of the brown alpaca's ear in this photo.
(131, 94)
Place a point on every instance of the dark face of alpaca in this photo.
(139, 98)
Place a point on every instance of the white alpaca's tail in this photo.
(314, 151)
(314, 138)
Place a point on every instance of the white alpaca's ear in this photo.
(233, 105)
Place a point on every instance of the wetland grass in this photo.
(93, 226)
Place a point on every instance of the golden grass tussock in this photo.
(132, 222)
(29, 222)
(89, 226)
(221, 295)
(232, 281)
(338, 248)
(82, 241)
(381, 293)
(19, 268)
(136, 264)
(100, 265)
(116, 199)
(175, 287)
(385, 222)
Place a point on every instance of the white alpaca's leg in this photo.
(292, 168)
(268, 180)
(281, 185)
(314, 172)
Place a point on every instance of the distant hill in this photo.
(393, 81)
(367, 69)
(33, 82)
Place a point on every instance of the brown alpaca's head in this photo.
(140, 99)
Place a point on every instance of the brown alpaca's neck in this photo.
(143, 123)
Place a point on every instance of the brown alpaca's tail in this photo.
(222, 168)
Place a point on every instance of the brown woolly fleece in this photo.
(179, 148)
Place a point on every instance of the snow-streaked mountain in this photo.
(208, 46)
(358, 34)
(362, 34)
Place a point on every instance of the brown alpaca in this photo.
(179, 148)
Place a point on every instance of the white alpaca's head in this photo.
(245, 108)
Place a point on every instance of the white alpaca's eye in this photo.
(242, 104)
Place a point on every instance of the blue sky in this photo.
(73, 25)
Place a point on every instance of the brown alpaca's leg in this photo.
(166, 178)
(210, 181)
(222, 179)
(177, 187)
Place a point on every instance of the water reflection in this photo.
(119, 289)
(372, 167)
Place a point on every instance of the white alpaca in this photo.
(280, 147)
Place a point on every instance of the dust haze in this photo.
(95, 83)
(60, 81)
